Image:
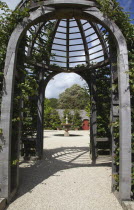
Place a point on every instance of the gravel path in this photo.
(65, 178)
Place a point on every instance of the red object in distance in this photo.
(85, 125)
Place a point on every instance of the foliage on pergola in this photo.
(57, 45)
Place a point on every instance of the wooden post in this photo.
(114, 115)
(93, 118)
(125, 125)
(67, 44)
(124, 105)
(40, 115)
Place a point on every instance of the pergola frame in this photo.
(56, 10)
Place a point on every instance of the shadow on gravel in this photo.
(54, 160)
(70, 135)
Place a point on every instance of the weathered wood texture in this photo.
(2, 203)
(105, 139)
(40, 116)
(114, 115)
(124, 93)
(124, 107)
(84, 42)
(101, 38)
(93, 117)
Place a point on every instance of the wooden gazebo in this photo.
(78, 44)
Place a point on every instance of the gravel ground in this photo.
(65, 179)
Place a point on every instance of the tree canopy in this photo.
(53, 102)
(74, 97)
(51, 116)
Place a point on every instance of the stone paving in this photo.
(65, 179)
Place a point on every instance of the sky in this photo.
(65, 80)
(128, 5)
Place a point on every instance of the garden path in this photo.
(65, 179)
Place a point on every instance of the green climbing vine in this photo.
(112, 9)
(26, 81)
(27, 78)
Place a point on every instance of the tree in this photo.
(77, 121)
(55, 119)
(74, 97)
(51, 116)
(88, 109)
(67, 113)
(53, 102)
(47, 113)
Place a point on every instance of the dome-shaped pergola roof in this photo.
(74, 43)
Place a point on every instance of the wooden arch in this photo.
(55, 10)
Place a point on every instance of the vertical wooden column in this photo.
(67, 44)
(121, 110)
(93, 117)
(114, 115)
(19, 140)
(40, 115)
(21, 61)
(125, 125)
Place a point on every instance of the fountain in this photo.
(66, 127)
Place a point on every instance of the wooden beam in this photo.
(113, 117)
(67, 43)
(93, 118)
(31, 45)
(97, 57)
(55, 3)
(103, 139)
(40, 115)
(53, 35)
(101, 38)
(84, 41)
(94, 46)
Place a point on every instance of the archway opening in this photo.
(43, 64)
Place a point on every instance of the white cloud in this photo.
(60, 82)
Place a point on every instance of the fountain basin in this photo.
(66, 127)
